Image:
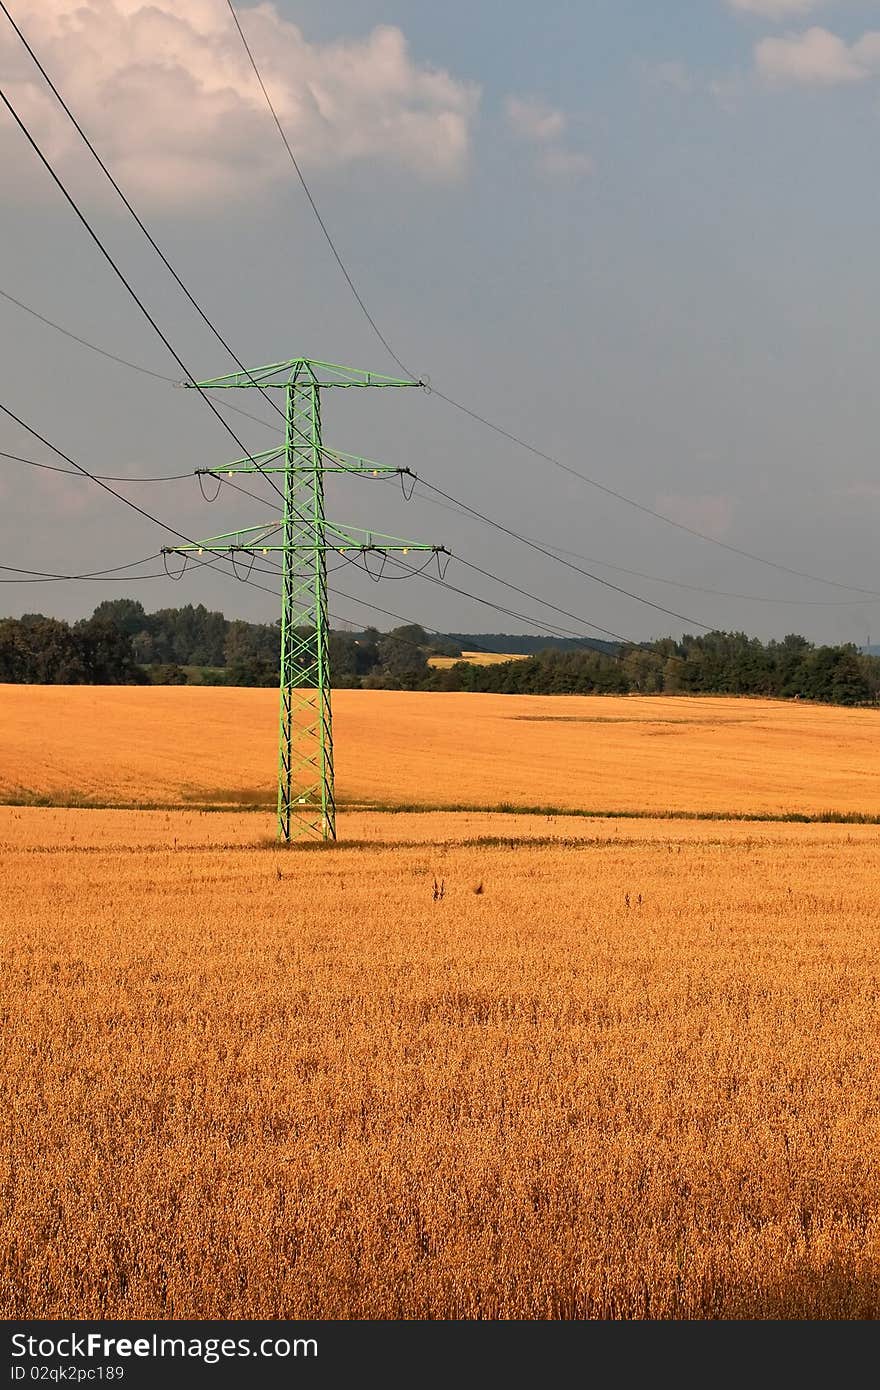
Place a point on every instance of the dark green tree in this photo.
(106, 653)
(403, 661)
(125, 613)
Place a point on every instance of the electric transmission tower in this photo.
(303, 537)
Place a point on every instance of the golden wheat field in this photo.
(474, 1064)
(207, 746)
(443, 663)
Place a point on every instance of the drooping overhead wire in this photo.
(488, 574)
(314, 206)
(120, 497)
(409, 571)
(103, 477)
(114, 574)
(123, 361)
(510, 612)
(80, 215)
(412, 572)
(510, 435)
(451, 401)
(130, 208)
(41, 576)
(128, 287)
(83, 342)
(721, 593)
(107, 576)
(533, 545)
(540, 627)
(463, 509)
(546, 551)
(459, 509)
(23, 424)
(552, 629)
(640, 506)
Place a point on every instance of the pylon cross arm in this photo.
(302, 371)
(335, 461)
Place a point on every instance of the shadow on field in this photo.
(335, 847)
(475, 842)
(227, 798)
(836, 1293)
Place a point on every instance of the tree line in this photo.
(717, 663)
(122, 644)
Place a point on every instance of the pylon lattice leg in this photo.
(306, 801)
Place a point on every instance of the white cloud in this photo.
(671, 74)
(544, 127)
(168, 94)
(858, 489)
(533, 120)
(674, 76)
(777, 9)
(710, 512)
(566, 164)
(867, 51)
(818, 58)
(727, 91)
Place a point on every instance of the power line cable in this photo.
(722, 593)
(40, 575)
(128, 478)
(533, 545)
(123, 278)
(639, 506)
(99, 576)
(462, 509)
(123, 361)
(314, 206)
(96, 239)
(499, 429)
(79, 468)
(83, 342)
(413, 573)
(390, 613)
(106, 576)
(132, 292)
(119, 273)
(511, 612)
(118, 190)
(106, 477)
(180, 362)
(526, 594)
(561, 632)
(474, 415)
(141, 511)
(456, 509)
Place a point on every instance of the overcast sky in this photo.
(641, 236)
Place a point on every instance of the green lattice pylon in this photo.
(303, 537)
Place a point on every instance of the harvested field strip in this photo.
(36, 829)
(75, 802)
